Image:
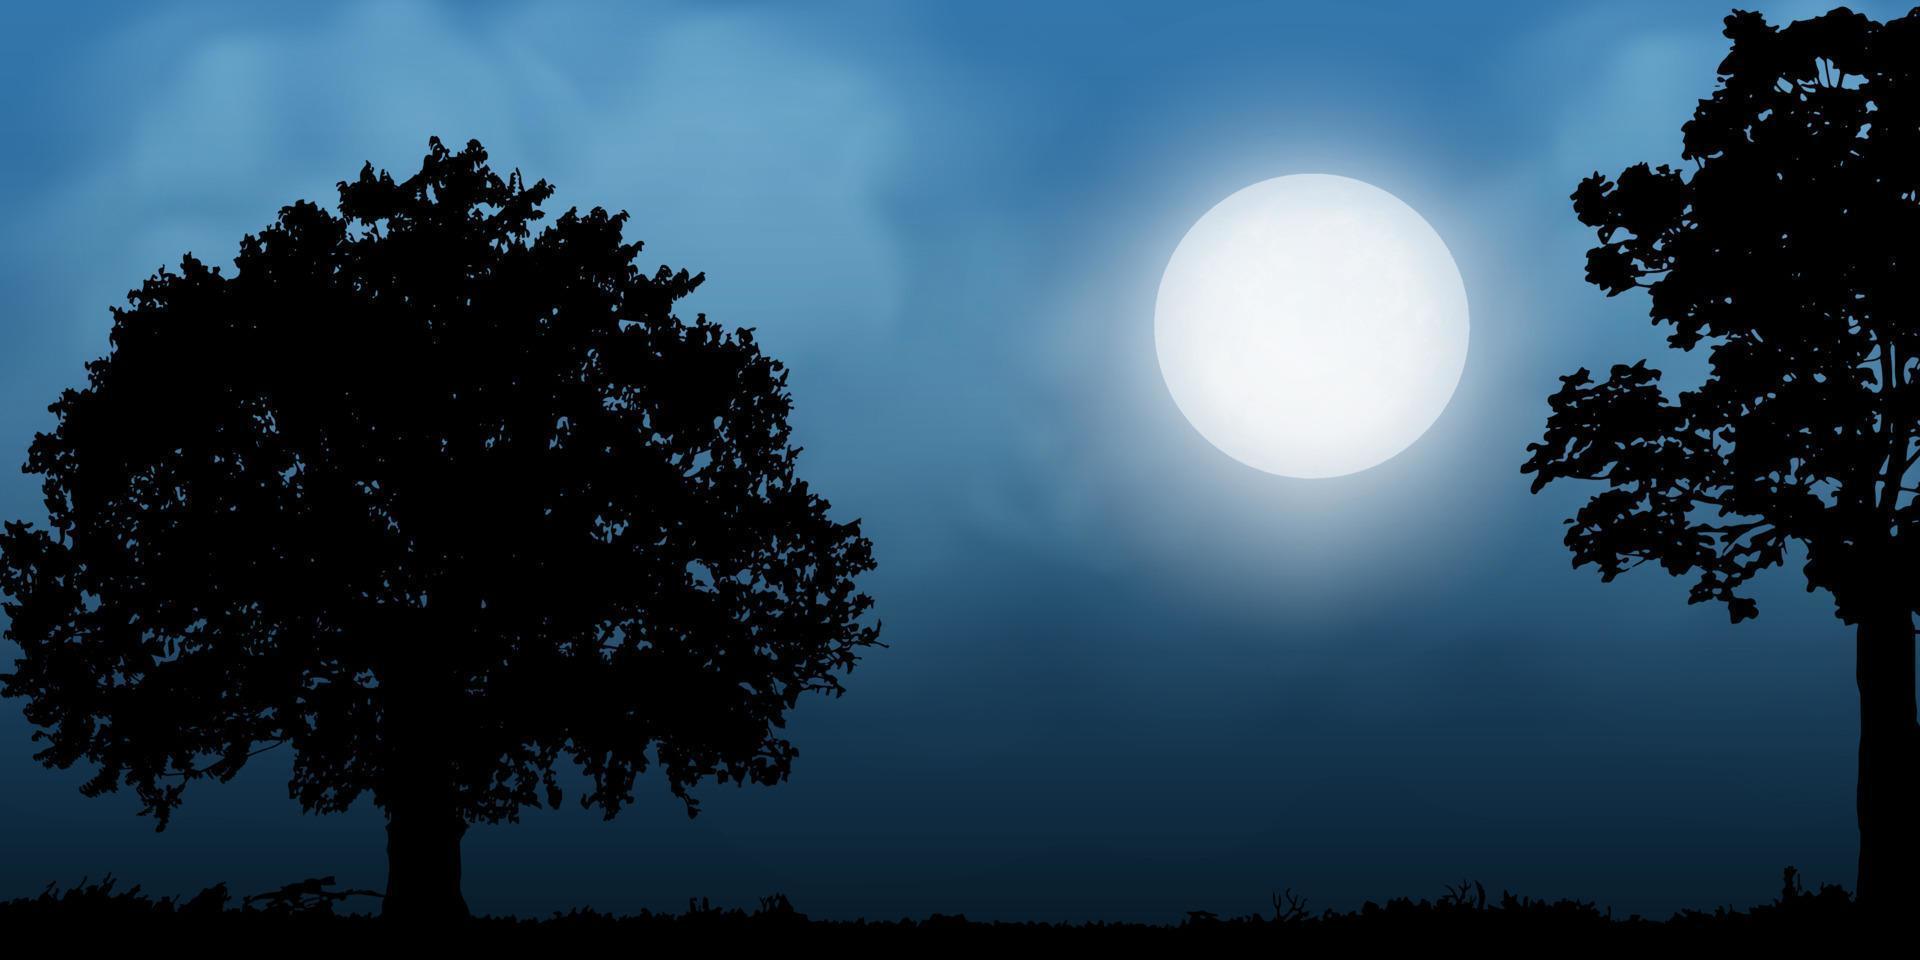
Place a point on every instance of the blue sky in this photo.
(1128, 676)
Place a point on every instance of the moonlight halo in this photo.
(1311, 326)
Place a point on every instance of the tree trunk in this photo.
(423, 853)
(424, 825)
(1889, 797)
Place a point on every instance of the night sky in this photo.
(1127, 675)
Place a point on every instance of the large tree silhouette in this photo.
(1792, 251)
(438, 503)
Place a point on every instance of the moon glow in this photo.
(1311, 326)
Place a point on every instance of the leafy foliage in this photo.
(417, 457)
(1793, 252)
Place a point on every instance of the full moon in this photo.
(1311, 326)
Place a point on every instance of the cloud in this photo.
(739, 150)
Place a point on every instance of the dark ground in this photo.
(312, 913)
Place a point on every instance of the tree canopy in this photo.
(1793, 252)
(416, 486)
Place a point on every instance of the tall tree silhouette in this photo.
(438, 503)
(1792, 250)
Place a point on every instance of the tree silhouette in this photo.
(437, 502)
(1793, 251)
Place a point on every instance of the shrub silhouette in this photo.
(437, 502)
(1793, 251)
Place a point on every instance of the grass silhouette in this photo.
(310, 912)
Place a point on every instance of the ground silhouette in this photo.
(1462, 915)
(437, 503)
(1792, 250)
